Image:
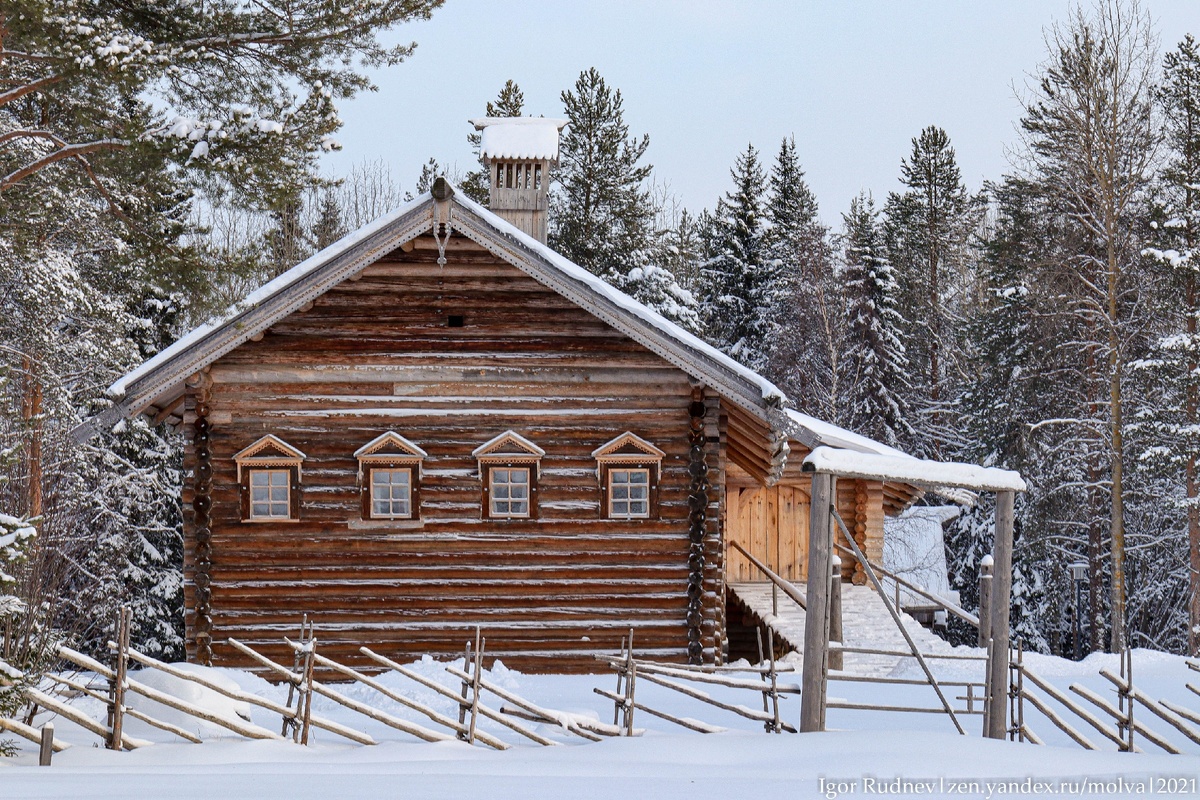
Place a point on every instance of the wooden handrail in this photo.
(957, 611)
(788, 589)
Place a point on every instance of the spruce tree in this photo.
(875, 363)
(736, 279)
(510, 102)
(799, 295)
(1175, 418)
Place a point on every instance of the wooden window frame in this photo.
(628, 452)
(414, 491)
(287, 485)
(530, 484)
(509, 450)
(270, 454)
(610, 469)
(370, 459)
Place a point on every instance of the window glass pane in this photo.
(391, 492)
(509, 492)
(270, 494)
(629, 493)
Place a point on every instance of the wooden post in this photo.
(476, 676)
(47, 745)
(305, 698)
(124, 616)
(835, 612)
(985, 599)
(816, 614)
(1000, 597)
(465, 689)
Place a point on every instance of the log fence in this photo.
(1117, 723)
(1080, 713)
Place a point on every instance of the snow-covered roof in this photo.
(813, 432)
(158, 383)
(915, 471)
(532, 138)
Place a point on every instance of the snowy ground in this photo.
(667, 762)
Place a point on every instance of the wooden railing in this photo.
(784, 585)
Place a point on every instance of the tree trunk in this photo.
(1117, 454)
(31, 419)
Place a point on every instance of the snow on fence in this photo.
(1123, 726)
(1072, 713)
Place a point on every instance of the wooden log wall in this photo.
(379, 354)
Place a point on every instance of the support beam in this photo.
(1001, 595)
(816, 613)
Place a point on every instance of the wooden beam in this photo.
(816, 612)
(169, 410)
(997, 702)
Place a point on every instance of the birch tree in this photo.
(1088, 132)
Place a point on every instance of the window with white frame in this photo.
(389, 474)
(509, 491)
(628, 493)
(508, 468)
(269, 474)
(391, 493)
(629, 468)
(270, 494)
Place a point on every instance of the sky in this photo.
(852, 81)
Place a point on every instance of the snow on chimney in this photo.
(519, 152)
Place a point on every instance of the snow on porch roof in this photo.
(532, 138)
(914, 471)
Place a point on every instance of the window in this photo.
(628, 493)
(509, 492)
(269, 474)
(628, 468)
(389, 472)
(508, 467)
(391, 493)
(270, 494)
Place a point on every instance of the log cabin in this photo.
(439, 423)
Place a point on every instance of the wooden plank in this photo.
(735, 565)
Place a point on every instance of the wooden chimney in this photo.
(519, 153)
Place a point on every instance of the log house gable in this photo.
(756, 406)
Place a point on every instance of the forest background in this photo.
(161, 159)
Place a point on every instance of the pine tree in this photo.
(875, 363)
(510, 102)
(329, 226)
(603, 216)
(928, 231)
(736, 279)
(429, 173)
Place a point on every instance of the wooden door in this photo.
(772, 523)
